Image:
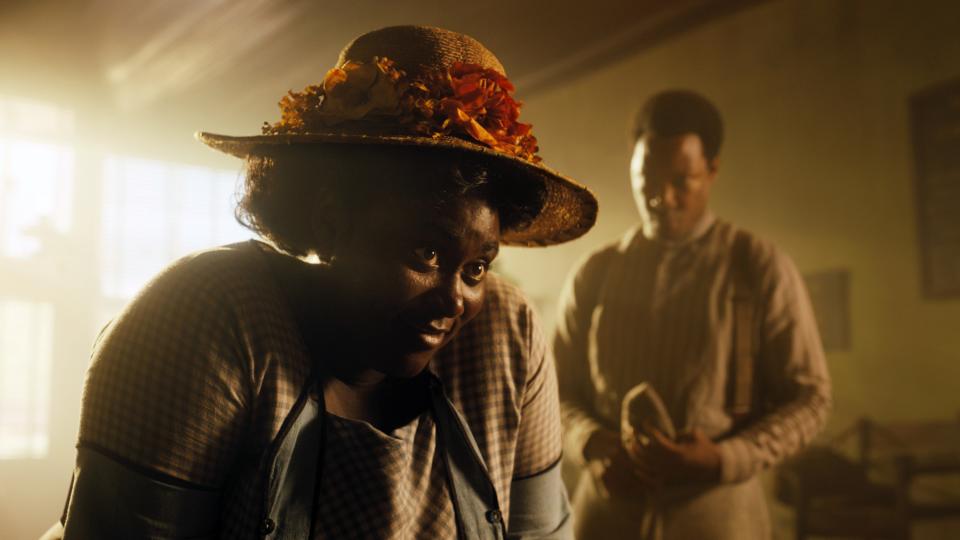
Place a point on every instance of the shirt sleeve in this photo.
(570, 347)
(539, 507)
(167, 391)
(539, 439)
(793, 374)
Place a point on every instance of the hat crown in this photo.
(429, 88)
(419, 49)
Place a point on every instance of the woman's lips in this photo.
(432, 334)
(432, 340)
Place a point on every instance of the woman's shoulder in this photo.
(169, 384)
(502, 338)
(200, 309)
(508, 308)
(216, 270)
(214, 282)
(195, 302)
(501, 292)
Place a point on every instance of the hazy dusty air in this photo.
(831, 152)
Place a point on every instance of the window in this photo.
(155, 212)
(36, 174)
(36, 197)
(26, 343)
(152, 212)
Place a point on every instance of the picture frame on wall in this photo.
(829, 292)
(935, 124)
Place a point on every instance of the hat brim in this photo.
(569, 208)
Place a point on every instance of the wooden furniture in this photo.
(883, 490)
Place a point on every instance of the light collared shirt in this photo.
(648, 310)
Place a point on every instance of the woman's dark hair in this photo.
(678, 112)
(284, 187)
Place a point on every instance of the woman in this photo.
(391, 388)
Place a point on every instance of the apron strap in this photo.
(295, 471)
(474, 496)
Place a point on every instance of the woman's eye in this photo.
(475, 270)
(427, 255)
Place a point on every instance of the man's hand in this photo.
(614, 470)
(692, 458)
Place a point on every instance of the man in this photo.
(712, 318)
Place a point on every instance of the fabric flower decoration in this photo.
(467, 101)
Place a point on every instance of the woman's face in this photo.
(412, 274)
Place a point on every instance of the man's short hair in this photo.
(677, 112)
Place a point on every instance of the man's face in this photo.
(415, 275)
(671, 180)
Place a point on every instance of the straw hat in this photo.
(432, 88)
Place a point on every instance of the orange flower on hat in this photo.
(352, 91)
(467, 100)
(296, 111)
(355, 90)
(482, 106)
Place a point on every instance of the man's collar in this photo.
(703, 225)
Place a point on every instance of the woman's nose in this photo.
(450, 292)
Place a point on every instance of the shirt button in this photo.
(267, 526)
(493, 516)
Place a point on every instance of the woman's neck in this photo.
(385, 402)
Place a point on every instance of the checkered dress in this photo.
(195, 377)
